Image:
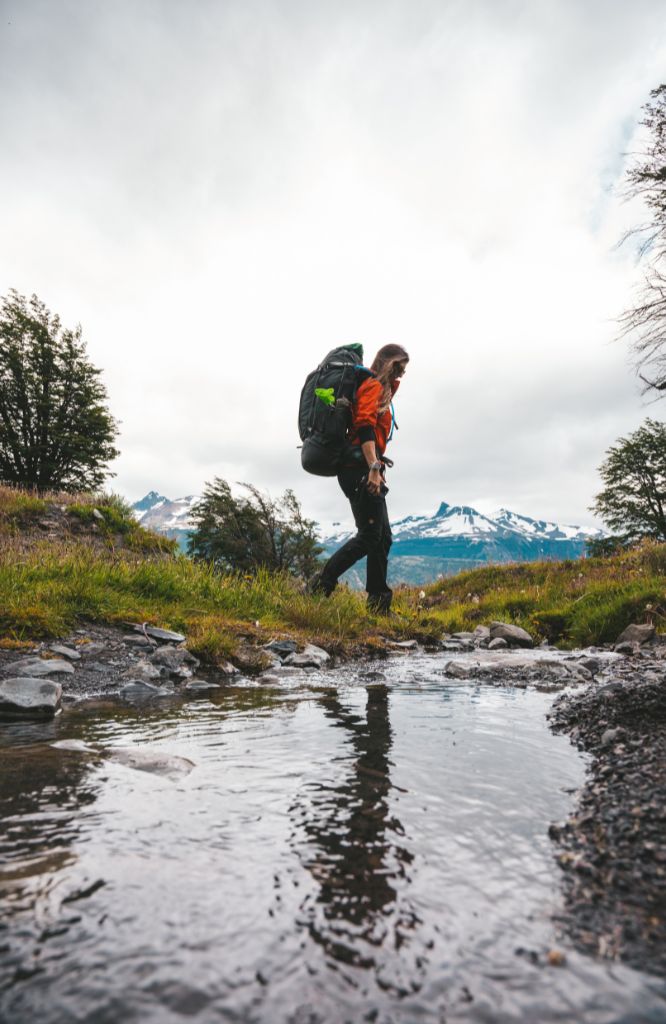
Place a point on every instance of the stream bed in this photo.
(363, 844)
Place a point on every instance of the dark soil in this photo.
(613, 849)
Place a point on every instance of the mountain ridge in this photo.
(455, 538)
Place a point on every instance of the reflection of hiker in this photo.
(361, 477)
(354, 848)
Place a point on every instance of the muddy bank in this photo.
(613, 848)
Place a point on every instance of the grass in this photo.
(573, 603)
(102, 519)
(49, 586)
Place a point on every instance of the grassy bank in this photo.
(61, 564)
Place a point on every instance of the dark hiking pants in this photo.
(372, 539)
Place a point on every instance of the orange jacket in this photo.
(368, 423)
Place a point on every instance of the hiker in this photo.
(362, 478)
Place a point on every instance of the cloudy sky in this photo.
(219, 191)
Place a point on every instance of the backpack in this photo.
(325, 410)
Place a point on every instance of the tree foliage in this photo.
(253, 531)
(633, 501)
(645, 321)
(56, 432)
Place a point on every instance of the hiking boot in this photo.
(380, 604)
(320, 585)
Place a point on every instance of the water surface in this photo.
(357, 845)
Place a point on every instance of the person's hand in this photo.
(374, 481)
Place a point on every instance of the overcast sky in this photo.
(220, 191)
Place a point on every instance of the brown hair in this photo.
(382, 367)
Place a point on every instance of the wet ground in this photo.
(369, 843)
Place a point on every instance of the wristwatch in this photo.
(375, 465)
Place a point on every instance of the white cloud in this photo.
(222, 192)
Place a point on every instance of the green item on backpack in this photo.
(327, 395)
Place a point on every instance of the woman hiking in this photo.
(363, 481)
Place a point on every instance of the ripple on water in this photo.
(337, 853)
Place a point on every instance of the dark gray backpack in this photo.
(325, 410)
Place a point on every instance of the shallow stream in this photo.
(366, 844)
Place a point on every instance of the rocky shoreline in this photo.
(612, 849)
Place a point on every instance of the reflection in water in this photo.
(351, 843)
(42, 794)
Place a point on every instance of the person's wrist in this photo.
(375, 467)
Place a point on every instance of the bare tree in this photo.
(644, 323)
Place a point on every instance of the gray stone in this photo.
(200, 686)
(626, 648)
(226, 668)
(174, 659)
(636, 634)
(462, 636)
(482, 632)
(282, 648)
(40, 667)
(143, 642)
(580, 672)
(141, 688)
(512, 634)
(98, 516)
(609, 736)
(457, 670)
(452, 645)
(92, 648)
(592, 665)
(27, 697)
(170, 765)
(161, 634)
(143, 670)
(404, 645)
(310, 657)
(66, 652)
(498, 644)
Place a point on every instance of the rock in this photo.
(626, 648)
(200, 686)
(170, 765)
(580, 672)
(141, 641)
(27, 697)
(161, 634)
(92, 648)
(98, 516)
(78, 746)
(512, 634)
(226, 668)
(143, 670)
(174, 659)
(636, 634)
(40, 667)
(310, 657)
(498, 644)
(592, 665)
(482, 632)
(282, 648)
(66, 652)
(404, 645)
(463, 636)
(457, 670)
(610, 736)
(140, 688)
(452, 645)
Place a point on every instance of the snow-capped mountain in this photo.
(456, 537)
(164, 515)
(459, 537)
